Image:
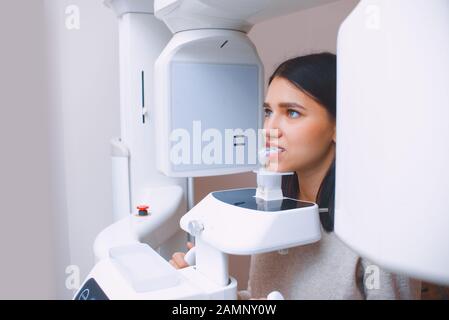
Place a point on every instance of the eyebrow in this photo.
(286, 105)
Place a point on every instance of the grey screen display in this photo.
(209, 98)
(245, 198)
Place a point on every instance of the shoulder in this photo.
(378, 283)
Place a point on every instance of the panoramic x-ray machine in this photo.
(183, 88)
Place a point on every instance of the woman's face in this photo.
(304, 131)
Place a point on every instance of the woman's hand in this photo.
(177, 260)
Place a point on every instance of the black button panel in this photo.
(245, 198)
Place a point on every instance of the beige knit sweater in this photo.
(327, 269)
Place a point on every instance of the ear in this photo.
(334, 137)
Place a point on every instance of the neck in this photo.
(310, 179)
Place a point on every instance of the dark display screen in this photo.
(245, 198)
(91, 291)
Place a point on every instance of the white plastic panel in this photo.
(211, 80)
(180, 15)
(143, 268)
(392, 151)
(122, 7)
(231, 223)
(159, 229)
(142, 39)
(120, 188)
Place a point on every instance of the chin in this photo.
(279, 167)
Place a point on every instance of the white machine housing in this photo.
(219, 222)
(392, 178)
(137, 272)
(237, 222)
(181, 15)
(275, 224)
(135, 178)
(208, 80)
(156, 229)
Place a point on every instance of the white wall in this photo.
(59, 107)
(26, 223)
(301, 33)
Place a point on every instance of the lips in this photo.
(274, 150)
(270, 154)
(272, 146)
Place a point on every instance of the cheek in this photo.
(308, 141)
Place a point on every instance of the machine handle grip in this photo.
(190, 257)
(275, 295)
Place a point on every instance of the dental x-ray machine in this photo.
(203, 72)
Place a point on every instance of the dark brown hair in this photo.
(315, 75)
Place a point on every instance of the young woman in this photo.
(300, 113)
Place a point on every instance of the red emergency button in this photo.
(143, 210)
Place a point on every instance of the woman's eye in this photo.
(293, 114)
(267, 112)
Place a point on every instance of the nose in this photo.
(272, 127)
